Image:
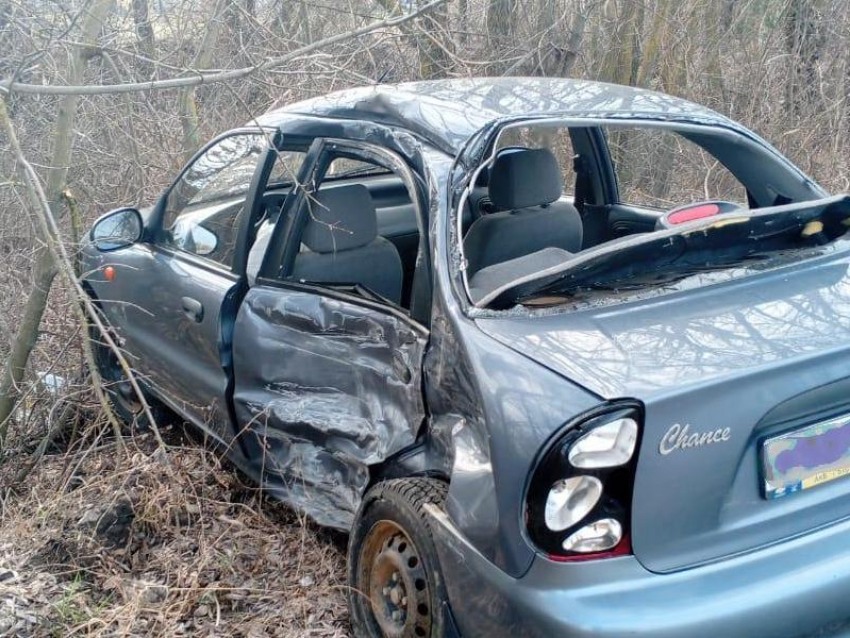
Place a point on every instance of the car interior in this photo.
(530, 205)
(341, 244)
(535, 206)
(547, 194)
(361, 230)
(525, 212)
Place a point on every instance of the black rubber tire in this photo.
(400, 502)
(112, 376)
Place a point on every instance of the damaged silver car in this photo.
(563, 358)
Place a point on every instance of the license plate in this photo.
(807, 457)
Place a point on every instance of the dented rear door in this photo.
(326, 385)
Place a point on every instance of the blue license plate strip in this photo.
(807, 457)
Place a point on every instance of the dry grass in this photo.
(98, 544)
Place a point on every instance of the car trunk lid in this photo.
(732, 363)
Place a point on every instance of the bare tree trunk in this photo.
(45, 271)
(144, 32)
(724, 14)
(727, 14)
(5, 12)
(304, 18)
(283, 17)
(577, 28)
(802, 42)
(232, 16)
(433, 60)
(650, 57)
(623, 60)
(500, 17)
(84, 309)
(847, 87)
(188, 105)
(25, 339)
(463, 20)
(559, 57)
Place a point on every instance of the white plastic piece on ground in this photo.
(53, 383)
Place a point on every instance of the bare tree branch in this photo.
(210, 78)
(50, 230)
(45, 269)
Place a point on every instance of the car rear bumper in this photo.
(800, 587)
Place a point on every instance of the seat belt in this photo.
(582, 189)
(593, 216)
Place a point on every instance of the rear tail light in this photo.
(570, 501)
(608, 445)
(579, 499)
(601, 536)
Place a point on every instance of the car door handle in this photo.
(193, 309)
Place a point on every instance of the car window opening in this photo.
(201, 212)
(558, 211)
(361, 232)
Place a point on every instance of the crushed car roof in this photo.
(448, 112)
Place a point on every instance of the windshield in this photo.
(565, 208)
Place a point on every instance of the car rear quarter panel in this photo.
(491, 410)
(497, 408)
(733, 355)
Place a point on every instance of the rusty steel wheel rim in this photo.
(393, 576)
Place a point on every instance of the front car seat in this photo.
(341, 245)
(525, 187)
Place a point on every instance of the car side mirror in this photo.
(205, 241)
(119, 228)
(190, 236)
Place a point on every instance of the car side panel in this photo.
(324, 388)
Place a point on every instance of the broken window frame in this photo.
(484, 145)
(155, 226)
(285, 243)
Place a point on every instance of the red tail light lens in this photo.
(579, 498)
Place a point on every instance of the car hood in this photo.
(653, 346)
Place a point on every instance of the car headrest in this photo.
(341, 218)
(523, 177)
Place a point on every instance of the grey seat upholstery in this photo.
(525, 187)
(486, 284)
(341, 244)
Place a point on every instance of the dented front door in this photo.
(325, 386)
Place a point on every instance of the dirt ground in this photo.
(100, 542)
